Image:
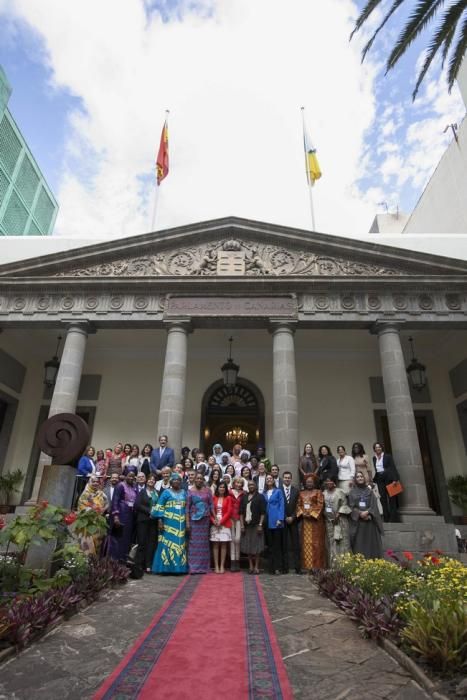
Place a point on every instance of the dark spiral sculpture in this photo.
(63, 437)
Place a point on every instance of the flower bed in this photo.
(420, 605)
(32, 600)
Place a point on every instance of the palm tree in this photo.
(448, 37)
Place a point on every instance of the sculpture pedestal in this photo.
(57, 485)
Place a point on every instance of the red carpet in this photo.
(212, 637)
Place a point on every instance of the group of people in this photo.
(176, 517)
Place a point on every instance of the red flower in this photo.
(390, 552)
(70, 518)
(408, 555)
(2, 523)
(435, 561)
(44, 504)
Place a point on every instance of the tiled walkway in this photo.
(325, 656)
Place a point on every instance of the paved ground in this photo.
(323, 652)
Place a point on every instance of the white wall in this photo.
(442, 207)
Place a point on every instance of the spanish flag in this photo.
(162, 162)
(313, 171)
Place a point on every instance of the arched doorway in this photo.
(226, 408)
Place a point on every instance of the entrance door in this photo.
(8, 406)
(226, 409)
(431, 458)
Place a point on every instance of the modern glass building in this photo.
(27, 206)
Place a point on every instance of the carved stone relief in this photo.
(233, 257)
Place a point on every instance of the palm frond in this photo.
(442, 34)
(458, 55)
(418, 20)
(390, 12)
(365, 13)
(447, 44)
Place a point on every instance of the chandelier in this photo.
(237, 435)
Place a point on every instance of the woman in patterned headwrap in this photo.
(217, 451)
(170, 557)
(199, 508)
(92, 498)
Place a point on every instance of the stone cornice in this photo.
(268, 250)
(319, 305)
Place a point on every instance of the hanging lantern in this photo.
(229, 369)
(416, 371)
(51, 367)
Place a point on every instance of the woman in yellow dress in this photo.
(310, 507)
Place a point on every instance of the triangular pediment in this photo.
(234, 247)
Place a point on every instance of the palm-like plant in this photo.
(448, 38)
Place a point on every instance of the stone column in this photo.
(172, 405)
(401, 420)
(285, 404)
(53, 482)
(65, 395)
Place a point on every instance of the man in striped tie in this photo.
(291, 542)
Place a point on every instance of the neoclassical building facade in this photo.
(320, 328)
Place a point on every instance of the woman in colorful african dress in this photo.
(170, 557)
(92, 498)
(310, 508)
(199, 509)
(122, 518)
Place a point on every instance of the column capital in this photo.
(79, 326)
(390, 326)
(282, 325)
(181, 324)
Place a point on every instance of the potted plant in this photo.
(457, 487)
(8, 483)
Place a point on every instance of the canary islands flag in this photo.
(162, 162)
(313, 171)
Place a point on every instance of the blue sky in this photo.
(90, 101)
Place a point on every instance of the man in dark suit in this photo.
(162, 456)
(260, 478)
(291, 543)
(109, 488)
(276, 477)
(140, 482)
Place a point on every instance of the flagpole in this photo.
(310, 186)
(156, 192)
(154, 210)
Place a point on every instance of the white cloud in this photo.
(389, 128)
(234, 76)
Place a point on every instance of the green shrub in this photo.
(377, 577)
(436, 630)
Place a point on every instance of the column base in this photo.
(417, 512)
(420, 518)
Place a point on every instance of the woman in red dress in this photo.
(221, 524)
